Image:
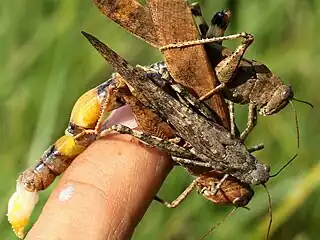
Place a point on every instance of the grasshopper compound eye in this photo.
(260, 175)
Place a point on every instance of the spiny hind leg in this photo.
(166, 145)
(179, 199)
(219, 22)
(227, 68)
(201, 23)
(242, 35)
(180, 155)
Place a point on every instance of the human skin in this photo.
(105, 192)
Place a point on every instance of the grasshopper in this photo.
(232, 191)
(213, 146)
(243, 81)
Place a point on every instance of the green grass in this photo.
(46, 64)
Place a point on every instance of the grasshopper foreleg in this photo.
(256, 148)
(218, 186)
(252, 121)
(232, 118)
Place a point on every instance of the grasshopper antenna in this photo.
(280, 170)
(298, 140)
(270, 211)
(218, 224)
(296, 117)
(305, 102)
(297, 124)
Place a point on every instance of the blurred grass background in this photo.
(45, 65)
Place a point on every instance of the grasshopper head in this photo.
(279, 99)
(260, 175)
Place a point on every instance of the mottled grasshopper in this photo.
(252, 82)
(212, 145)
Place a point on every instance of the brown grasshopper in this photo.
(252, 82)
(212, 145)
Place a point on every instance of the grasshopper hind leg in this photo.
(153, 141)
(180, 155)
(180, 198)
(226, 68)
(201, 23)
